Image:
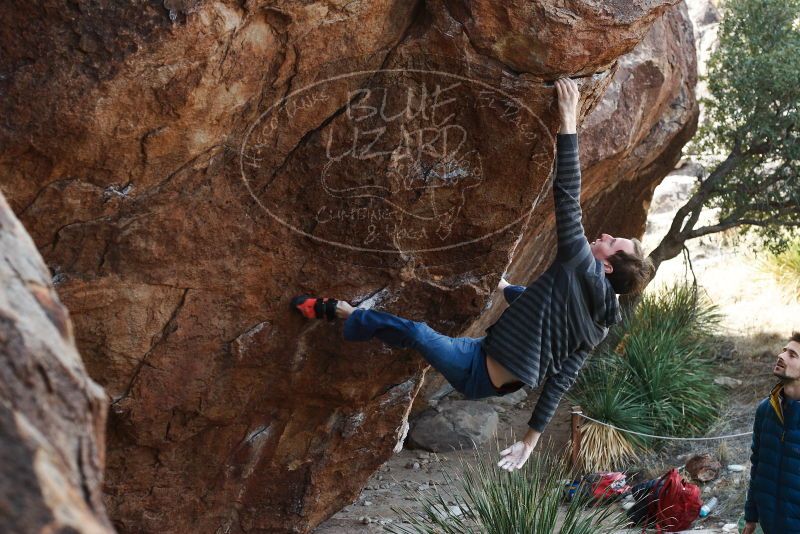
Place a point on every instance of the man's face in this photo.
(787, 368)
(606, 246)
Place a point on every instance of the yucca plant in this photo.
(604, 393)
(604, 448)
(674, 379)
(655, 379)
(679, 310)
(489, 500)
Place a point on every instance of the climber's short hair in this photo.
(631, 272)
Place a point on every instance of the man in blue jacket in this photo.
(547, 332)
(773, 498)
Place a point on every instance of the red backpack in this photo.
(608, 486)
(677, 504)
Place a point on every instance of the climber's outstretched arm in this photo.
(573, 248)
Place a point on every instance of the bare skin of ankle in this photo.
(343, 309)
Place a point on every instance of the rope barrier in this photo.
(660, 437)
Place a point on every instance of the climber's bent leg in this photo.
(461, 361)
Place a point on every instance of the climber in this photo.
(550, 326)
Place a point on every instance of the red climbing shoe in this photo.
(315, 307)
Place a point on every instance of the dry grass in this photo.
(604, 448)
(785, 268)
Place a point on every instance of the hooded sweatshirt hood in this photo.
(603, 300)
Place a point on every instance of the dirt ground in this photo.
(759, 316)
(418, 470)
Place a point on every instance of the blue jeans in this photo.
(460, 360)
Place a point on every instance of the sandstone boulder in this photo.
(52, 415)
(631, 139)
(628, 143)
(186, 167)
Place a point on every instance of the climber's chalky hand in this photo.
(568, 95)
(515, 456)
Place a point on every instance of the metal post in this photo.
(576, 438)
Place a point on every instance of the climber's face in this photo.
(606, 246)
(787, 368)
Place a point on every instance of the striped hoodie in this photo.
(547, 332)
